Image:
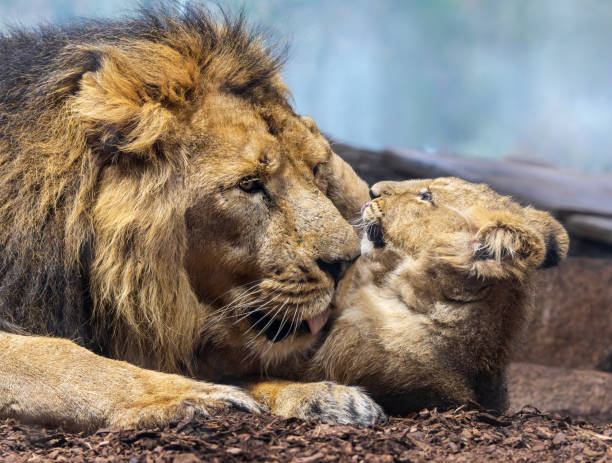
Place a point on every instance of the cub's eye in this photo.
(250, 185)
(426, 196)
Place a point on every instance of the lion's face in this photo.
(266, 247)
(217, 215)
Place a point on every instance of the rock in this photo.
(572, 325)
(584, 393)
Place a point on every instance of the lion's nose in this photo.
(336, 268)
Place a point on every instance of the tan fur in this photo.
(125, 224)
(147, 213)
(83, 391)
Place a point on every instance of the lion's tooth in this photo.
(316, 323)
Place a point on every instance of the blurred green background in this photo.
(521, 78)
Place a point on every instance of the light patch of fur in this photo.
(367, 247)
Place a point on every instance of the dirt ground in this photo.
(452, 436)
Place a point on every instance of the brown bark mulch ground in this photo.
(453, 436)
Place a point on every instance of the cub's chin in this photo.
(372, 239)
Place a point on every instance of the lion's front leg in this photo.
(330, 402)
(54, 381)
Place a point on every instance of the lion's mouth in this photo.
(278, 330)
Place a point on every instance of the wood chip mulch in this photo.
(453, 436)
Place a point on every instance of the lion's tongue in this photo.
(316, 323)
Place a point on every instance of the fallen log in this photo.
(593, 227)
(561, 191)
(582, 201)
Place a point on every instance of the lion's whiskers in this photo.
(272, 317)
(278, 331)
(264, 315)
(245, 286)
(250, 344)
(250, 289)
(359, 222)
(295, 312)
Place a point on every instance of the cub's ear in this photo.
(500, 245)
(131, 100)
(555, 236)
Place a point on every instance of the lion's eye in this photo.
(426, 196)
(250, 185)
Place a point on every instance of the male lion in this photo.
(155, 188)
(440, 293)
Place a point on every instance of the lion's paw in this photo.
(223, 397)
(175, 402)
(329, 402)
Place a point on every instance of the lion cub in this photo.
(443, 288)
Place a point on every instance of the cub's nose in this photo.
(336, 268)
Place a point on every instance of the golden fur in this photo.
(160, 203)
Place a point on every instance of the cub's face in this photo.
(266, 246)
(458, 229)
(409, 216)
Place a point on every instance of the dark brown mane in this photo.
(56, 139)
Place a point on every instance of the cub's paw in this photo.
(174, 400)
(329, 402)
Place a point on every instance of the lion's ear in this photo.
(500, 245)
(555, 236)
(129, 102)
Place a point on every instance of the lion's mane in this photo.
(115, 284)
